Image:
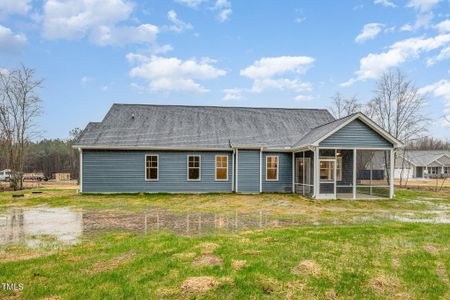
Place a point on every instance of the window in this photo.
(339, 168)
(193, 167)
(221, 167)
(326, 170)
(433, 170)
(151, 167)
(446, 170)
(271, 168)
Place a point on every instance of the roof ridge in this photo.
(215, 106)
(340, 119)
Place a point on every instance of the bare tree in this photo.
(397, 108)
(342, 107)
(19, 107)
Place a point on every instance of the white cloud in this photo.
(271, 66)
(424, 14)
(4, 71)
(172, 74)
(373, 65)
(443, 55)
(385, 3)
(440, 89)
(178, 25)
(11, 7)
(304, 98)
(422, 5)
(190, 3)
(300, 20)
(85, 80)
(443, 26)
(232, 94)
(224, 10)
(97, 19)
(279, 73)
(369, 31)
(11, 42)
(106, 35)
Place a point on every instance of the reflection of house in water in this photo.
(64, 224)
(191, 223)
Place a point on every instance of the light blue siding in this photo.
(284, 183)
(356, 134)
(248, 171)
(124, 172)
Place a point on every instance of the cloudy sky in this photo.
(93, 53)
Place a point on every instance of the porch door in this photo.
(327, 175)
(303, 175)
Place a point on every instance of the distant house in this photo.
(422, 163)
(206, 149)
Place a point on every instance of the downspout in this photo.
(260, 170)
(234, 170)
(81, 170)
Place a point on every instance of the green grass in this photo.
(362, 260)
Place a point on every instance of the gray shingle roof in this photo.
(134, 125)
(423, 157)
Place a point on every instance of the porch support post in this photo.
(316, 173)
(391, 182)
(234, 170)
(354, 173)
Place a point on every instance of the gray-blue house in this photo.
(206, 149)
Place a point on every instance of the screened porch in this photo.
(333, 173)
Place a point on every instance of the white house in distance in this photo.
(422, 164)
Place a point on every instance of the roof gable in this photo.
(356, 134)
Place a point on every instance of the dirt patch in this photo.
(442, 273)
(103, 266)
(199, 284)
(10, 257)
(396, 262)
(431, 249)
(238, 264)
(207, 261)
(184, 255)
(207, 247)
(293, 289)
(306, 267)
(385, 284)
(251, 252)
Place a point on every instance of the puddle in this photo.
(34, 227)
(40, 226)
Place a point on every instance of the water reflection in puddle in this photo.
(36, 227)
(33, 226)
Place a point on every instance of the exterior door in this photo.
(303, 175)
(327, 176)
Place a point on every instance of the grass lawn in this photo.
(388, 249)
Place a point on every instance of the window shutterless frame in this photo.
(215, 168)
(145, 167)
(277, 160)
(199, 168)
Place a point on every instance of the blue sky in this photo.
(93, 53)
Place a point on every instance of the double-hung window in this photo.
(151, 167)
(193, 167)
(222, 167)
(272, 168)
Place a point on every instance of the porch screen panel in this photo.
(372, 171)
(344, 180)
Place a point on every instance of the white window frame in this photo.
(199, 167)
(278, 167)
(331, 171)
(145, 167)
(215, 167)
